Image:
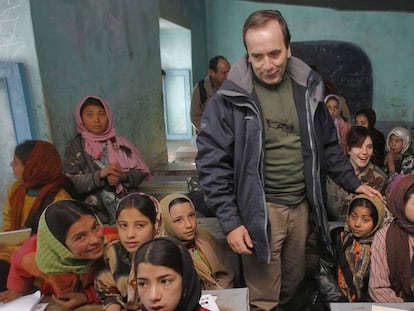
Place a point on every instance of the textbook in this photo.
(14, 237)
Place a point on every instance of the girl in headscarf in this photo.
(399, 159)
(138, 220)
(353, 246)
(360, 151)
(103, 165)
(38, 169)
(61, 258)
(367, 117)
(392, 265)
(166, 277)
(333, 104)
(210, 259)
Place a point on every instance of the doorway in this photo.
(176, 61)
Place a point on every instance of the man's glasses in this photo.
(287, 128)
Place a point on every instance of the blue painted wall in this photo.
(386, 37)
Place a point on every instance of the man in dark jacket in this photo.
(266, 141)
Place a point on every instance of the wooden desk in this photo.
(233, 299)
(54, 307)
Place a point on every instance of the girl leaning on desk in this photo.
(61, 259)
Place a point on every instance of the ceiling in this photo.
(363, 5)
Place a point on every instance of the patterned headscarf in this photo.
(400, 263)
(43, 172)
(360, 267)
(94, 143)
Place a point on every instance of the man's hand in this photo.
(10, 295)
(71, 300)
(239, 240)
(369, 191)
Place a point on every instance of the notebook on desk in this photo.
(231, 299)
(15, 237)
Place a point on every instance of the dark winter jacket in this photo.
(230, 159)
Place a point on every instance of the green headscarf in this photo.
(53, 257)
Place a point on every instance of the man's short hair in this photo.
(212, 64)
(260, 18)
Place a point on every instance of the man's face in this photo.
(267, 52)
(218, 76)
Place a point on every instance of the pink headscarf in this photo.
(94, 147)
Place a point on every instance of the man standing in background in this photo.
(218, 69)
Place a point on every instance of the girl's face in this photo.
(409, 209)
(94, 119)
(159, 287)
(333, 107)
(361, 120)
(184, 221)
(17, 167)
(134, 228)
(395, 144)
(85, 238)
(360, 221)
(360, 156)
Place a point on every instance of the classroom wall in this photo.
(105, 48)
(386, 38)
(17, 45)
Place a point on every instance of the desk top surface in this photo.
(367, 306)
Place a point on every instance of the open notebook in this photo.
(24, 303)
(15, 237)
